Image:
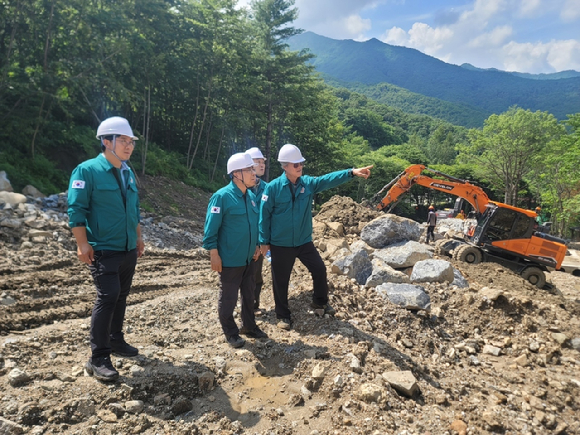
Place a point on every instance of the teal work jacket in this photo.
(231, 225)
(259, 188)
(95, 200)
(286, 219)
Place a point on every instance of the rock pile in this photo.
(419, 344)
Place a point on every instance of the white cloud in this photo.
(491, 39)
(356, 25)
(431, 39)
(485, 35)
(542, 57)
(529, 8)
(570, 11)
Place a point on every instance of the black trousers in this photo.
(112, 273)
(430, 233)
(282, 263)
(259, 282)
(233, 279)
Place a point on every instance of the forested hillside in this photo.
(201, 80)
(367, 64)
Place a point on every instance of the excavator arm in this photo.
(451, 185)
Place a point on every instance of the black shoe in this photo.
(284, 324)
(326, 307)
(236, 341)
(102, 369)
(121, 348)
(254, 333)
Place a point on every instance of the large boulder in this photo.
(33, 192)
(390, 229)
(432, 271)
(12, 198)
(383, 273)
(357, 265)
(412, 297)
(404, 254)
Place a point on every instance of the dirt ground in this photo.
(496, 357)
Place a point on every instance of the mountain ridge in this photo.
(373, 62)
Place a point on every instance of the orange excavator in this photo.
(503, 234)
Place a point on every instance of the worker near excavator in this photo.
(258, 189)
(540, 218)
(460, 215)
(431, 223)
(286, 228)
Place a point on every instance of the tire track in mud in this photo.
(63, 289)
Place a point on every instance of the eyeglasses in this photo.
(125, 142)
(298, 165)
(250, 169)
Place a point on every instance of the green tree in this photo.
(555, 178)
(507, 145)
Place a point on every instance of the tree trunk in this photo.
(218, 153)
(193, 124)
(146, 145)
(202, 124)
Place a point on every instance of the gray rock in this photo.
(357, 266)
(8, 427)
(404, 382)
(370, 392)
(360, 245)
(389, 229)
(459, 280)
(5, 182)
(12, 198)
(181, 405)
(206, 381)
(432, 271)
(404, 254)
(17, 377)
(32, 191)
(134, 406)
(383, 273)
(575, 343)
(10, 223)
(412, 297)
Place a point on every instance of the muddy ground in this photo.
(497, 357)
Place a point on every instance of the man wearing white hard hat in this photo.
(231, 237)
(103, 209)
(258, 189)
(286, 228)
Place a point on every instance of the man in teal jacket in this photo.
(258, 190)
(231, 237)
(286, 227)
(103, 209)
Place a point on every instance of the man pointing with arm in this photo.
(286, 228)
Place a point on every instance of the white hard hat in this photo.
(255, 153)
(290, 154)
(115, 126)
(240, 161)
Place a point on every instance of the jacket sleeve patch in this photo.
(215, 210)
(78, 184)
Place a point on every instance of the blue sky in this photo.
(535, 36)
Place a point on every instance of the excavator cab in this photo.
(512, 234)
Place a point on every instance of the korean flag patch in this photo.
(78, 184)
(215, 209)
(264, 198)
